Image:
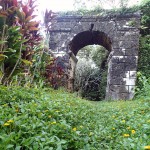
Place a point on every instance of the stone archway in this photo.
(81, 40)
(66, 32)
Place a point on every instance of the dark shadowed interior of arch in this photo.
(89, 38)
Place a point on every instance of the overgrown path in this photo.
(54, 119)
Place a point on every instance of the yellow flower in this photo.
(35, 104)
(46, 110)
(74, 129)
(5, 105)
(123, 121)
(147, 147)
(6, 124)
(57, 111)
(17, 110)
(49, 116)
(126, 135)
(10, 121)
(53, 122)
(113, 128)
(133, 131)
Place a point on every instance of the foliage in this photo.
(144, 61)
(90, 74)
(79, 4)
(143, 88)
(98, 11)
(145, 20)
(117, 7)
(56, 73)
(50, 119)
(19, 39)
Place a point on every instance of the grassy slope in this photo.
(48, 119)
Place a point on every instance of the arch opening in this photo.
(85, 38)
(80, 42)
(90, 79)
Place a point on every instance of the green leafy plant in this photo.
(20, 40)
(143, 86)
(91, 73)
(56, 74)
(43, 118)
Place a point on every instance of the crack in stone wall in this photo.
(122, 61)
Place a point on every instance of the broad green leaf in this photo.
(9, 146)
(24, 40)
(18, 148)
(2, 42)
(26, 62)
(2, 57)
(10, 50)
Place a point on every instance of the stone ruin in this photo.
(118, 33)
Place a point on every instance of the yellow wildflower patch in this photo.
(74, 129)
(5, 105)
(6, 124)
(10, 121)
(147, 147)
(133, 131)
(126, 135)
(53, 122)
(123, 121)
(57, 111)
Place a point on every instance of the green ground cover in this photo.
(46, 119)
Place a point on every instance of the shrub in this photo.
(143, 86)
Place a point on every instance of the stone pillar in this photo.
(73, 62)
(123, 66)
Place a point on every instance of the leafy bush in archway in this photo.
(90, 78)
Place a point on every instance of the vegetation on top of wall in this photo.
(101, 12)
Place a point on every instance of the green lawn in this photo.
(46, 119)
